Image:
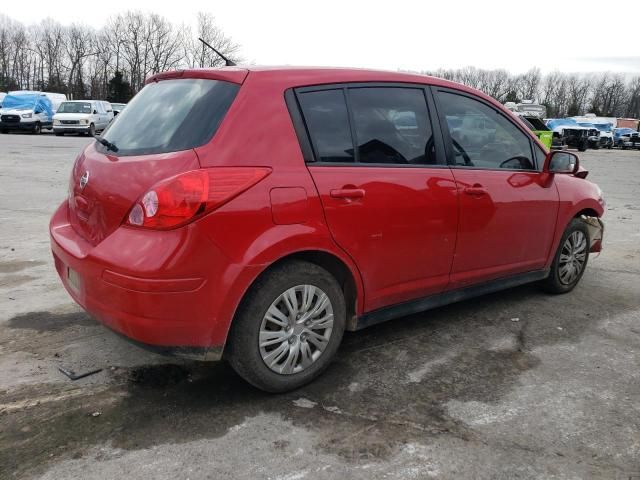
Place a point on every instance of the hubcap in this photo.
(296, 329)
(572, 257)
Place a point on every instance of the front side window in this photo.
(325, 113)
(483, 138)
(171, 115)
(392, 125)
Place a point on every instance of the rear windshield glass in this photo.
(75, 107)
(171, 115)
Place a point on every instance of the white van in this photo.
(82, 116)
(29, 110)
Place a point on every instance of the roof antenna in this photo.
(227, 62)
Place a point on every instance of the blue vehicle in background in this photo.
(626, 138)
(604, 125)
(566, 131)
(29, 110)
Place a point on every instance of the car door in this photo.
(109, 113)
(102, 116)
(508, 207)
(388, 196)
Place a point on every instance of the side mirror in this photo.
(562, 162)
(38, 112)
(95, 112)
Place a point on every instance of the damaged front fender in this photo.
(596, 232)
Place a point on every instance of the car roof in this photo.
(295, 75)
(298, 76)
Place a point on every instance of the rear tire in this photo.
(285, 354)
(570, 260)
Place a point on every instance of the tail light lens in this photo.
(180, 199)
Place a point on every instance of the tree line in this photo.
(112, 63)
(564, 94)
(107, 63)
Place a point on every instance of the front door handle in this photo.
(347, 193)
(477, 189)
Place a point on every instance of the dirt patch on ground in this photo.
(18, 265)
(50, 322)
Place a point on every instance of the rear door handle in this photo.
(347, 193)
(475, 190)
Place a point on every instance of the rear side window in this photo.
(481, 137)
(171, 115)
(392, 125)
(325, 113)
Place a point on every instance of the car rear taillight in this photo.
(180, 199)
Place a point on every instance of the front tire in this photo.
(92, 130)
(570, 260)
(37, 129)
(288, 327)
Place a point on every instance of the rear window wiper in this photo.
(107, 143)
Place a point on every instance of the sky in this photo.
(564, 35)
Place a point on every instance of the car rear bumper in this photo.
(158, 289)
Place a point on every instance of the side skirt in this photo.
(445, 298)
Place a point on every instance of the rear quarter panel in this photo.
(258, 131)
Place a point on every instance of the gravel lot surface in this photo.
(517, 384)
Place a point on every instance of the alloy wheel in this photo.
(296, 329)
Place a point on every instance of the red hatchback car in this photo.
(255, 214)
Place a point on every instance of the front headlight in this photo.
(56, 122)
(26, 115)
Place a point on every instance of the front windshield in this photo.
(603, 127)
(75, 107)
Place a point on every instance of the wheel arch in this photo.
(342, 270)
(589, 212)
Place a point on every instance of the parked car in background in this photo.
(117, 108)
(28, 110)
(626, 138)
(537, 126)
(593, 135)
(370, 198)
(566, 131)
(82, 116)
(606, 134)
(605, 126)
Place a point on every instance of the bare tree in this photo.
(84, 62)
(201, 56)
